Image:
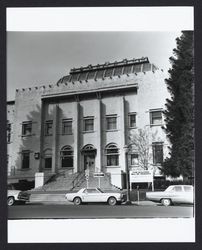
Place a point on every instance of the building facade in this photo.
(86, 119)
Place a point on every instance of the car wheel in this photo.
(112, 201)
(77, 201)
(166, 202)
(10, 201)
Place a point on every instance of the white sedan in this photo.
(172, 195)
(14, 196)
(86, 195)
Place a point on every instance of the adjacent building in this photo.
(86, 119)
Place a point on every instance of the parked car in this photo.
(172, 195)
(14, 196)
(86, 195)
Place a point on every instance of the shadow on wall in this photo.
(28, 144)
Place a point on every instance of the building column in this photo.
(55, 139)
(98, 160)
(123, 133)
(41, 136)
(76, 138)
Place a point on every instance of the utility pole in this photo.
(128, 202)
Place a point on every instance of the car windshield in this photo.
(100, 190)
(174, 189)
(169, 189)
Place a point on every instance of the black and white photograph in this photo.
(100, 126)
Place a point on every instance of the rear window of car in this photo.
(188, 189)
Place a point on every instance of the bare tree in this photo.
(140, 142)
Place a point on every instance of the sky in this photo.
(41, 58)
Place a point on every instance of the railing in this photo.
(77, 179)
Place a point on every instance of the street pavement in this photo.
(43, 205)
(97, 211)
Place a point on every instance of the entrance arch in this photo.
(89, 153)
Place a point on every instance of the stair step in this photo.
(63, 181)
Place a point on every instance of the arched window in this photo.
(66, 155)
(48, 158)
(88, 148)
(112, 154)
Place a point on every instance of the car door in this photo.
(177, 194)
(91, 195)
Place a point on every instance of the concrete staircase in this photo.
(104, 183)
(68, 181)
(61, 181)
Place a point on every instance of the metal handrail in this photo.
(77, 179)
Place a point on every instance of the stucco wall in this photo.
(151, 94)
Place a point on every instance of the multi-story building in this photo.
(85, 120)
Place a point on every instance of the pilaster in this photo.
(55, 139)
(98, 162)
(76, 137)
(122, 157)
(41, 136)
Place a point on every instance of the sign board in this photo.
(100, 174)
(141, 176)
(87, 172)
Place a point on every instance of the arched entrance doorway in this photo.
(89, 153)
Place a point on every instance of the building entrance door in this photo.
(89, 162)
(89, 153)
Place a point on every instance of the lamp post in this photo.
(128, 202)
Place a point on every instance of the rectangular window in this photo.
(146, 67)
(8, 132)
(111, 122)
(26, 128)
(134, 159)
(132, 120)
(25, 159)
(112, 160)
(100, 73)
(48, 163)
(108, 72)
(67, 126)
(91, 74)
(137, 68)
(49, 127)
(88, 124)
(118, 70)
(75, 77)
(156, 117)
(127, 69)
(157, 152)
(83, 76)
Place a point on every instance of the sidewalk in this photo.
(144, 203)
(58, 197)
